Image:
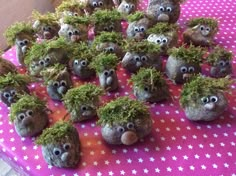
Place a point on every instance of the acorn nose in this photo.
(47, 35)
(186, 76)
(209, 106)
(163, 18)
(65, 156)
(129, 138)
(138, 64)
(62, 90)
(75, 38)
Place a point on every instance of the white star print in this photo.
(196, 156)
(222, 144)
(214, 166)
(95, 163)
(134, 172)
(49, 166)
(168, 148)
(211, 145)
(179, 147)
(129, 160)
(117, 161)
(180, 168)
(107, 162)
(208, 156)
(229, 154)
(125, 151)
(25, 157)
(140, 160)
(226, 165)
(232, 143)
(122, 172)
(111, 173)
(27, 168)
(152, 159)
(87, 174)
(75, 175)
(135, 150)
(203, 167)
(157, 170)
(145, 171)
(173, 138)
(174, 158)
(191, 167)
(113, 151)
(163, 159)
(146, 149)
(190, 146)
(201, 146)
(185, 157)
(218, 155)
(99, 174)
(168, 169)
(38, 167)
(157, 149)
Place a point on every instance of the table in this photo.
(176, 146)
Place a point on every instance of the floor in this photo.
(6, 170)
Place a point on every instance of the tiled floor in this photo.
(6, 170)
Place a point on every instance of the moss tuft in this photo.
(82, 51)
(217, 54)
(47, 19)
(55, 133)
(104, 16)
(16, 29)
(104, 61)
(199, 87)
(26, 102)
(136, 16)
(104, 37)
(162, 28)
(85, 94)
(148, 76)
(76, 20)
(204, 21)
(122, 110)
(191, 54)
(141, 47)
(69, 5)
(14, 80)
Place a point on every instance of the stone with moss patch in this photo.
(200, 87)
(76, 20)
(191, 54)
(122, 110)
(162, 28)
(111, 37)
(16, 29)
(204, 21)
(26, 102)
(55, 133)
(136, 16)
(69, 5)
(217, 54)
(47, 18)
(104, 16)
(82, 51)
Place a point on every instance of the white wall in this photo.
(19, 10)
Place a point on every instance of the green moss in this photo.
(47, 19)
(122, 110)
(104, 16)
(16, 29)
(132, 1)
(14, 80)
(69, 5)
(141, 47)
(85, 94)
(76, 20)
(212, 23)
(217, 54)
(55, 133)
(191, 54)
(104, 61)
(148, 76)
(26, 102)
(162, 28)
(52, 73)
(136, 16)
(199, 87)
(82, 52)
(104, 37)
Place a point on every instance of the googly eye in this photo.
(213, 99)
(136, 29)
(137, 58)
(158, 41)
(56, 151)
(208, 29)
(84, 108)
(164, 40)
(44, 28)
(127, 6)
(21, 116)
(76, 62)
(76, 14)
(6, 95)
(100, 3)
(67, 146)
(202, 28)
(41, 62)
(111, 27)
(105, 28)
(22, 43)
(95, 4)
(205, 100)
(63, 83)
(183, 69)
(227, 63)
(120, 129)
(70, 33)
(222, 63)
(169, 9)
(106, 73)
(29, 113)
(191, 69)
(144, 58)
(132, 6)
(26, 41)
(162, 9)
(84, 63)
(112, 72)
(47, 59)
(142, 29)
(13, 92)
(146, 89)
(130, 125)
(49, 28)
(111, 49)
(56, 84)
(76, 32)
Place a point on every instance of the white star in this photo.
(125, 151)
(87, 174)
(205, 136)
(103, 152)
(38, 167)
(134, 172)
(214, 166)
(12, 139)
(229, 154)
(209, 126)
(226, 165)
(95, 163)
(184, 137)
(111, 173)
(140, 160)
(85, 134)
(174, 158)
(129, 160)
(201, 146)
(75, 174)
(1, 131)
(222, 144)
(157, 170)
(145, 171)
(218, 155)
(173, 138)
(92, 153)
(232, 143)
(24, 148)
(49, 166)
(27, 168)
(117, 161)
(180, 168)
(163, 138)
(172, 120)
(36, 157)
(185, 157)
(225, 134)
(168, 169)
(113, 151)
(122, 172)
(215, 135)
(35, 147)
(163, 159)
(203, 167)
(152, 159)
(194, 137)
(178, 128)
(135, 150)
(15, 158)
(25, 157)
(219, 126)
(188, 128)
(190, 146)
(13, 148)
(167, 129)
(167, 112)
(99, 174)
(146, 149)
(196, 156)
(179, 147)
(182, 119)
(157, 149)
(211, 145)
(84, 163)
(191, 167)
(107, 162)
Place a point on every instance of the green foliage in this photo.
(148, 76)
(16, 29)
(55, 133)
(122, 110)
(199, 87)
(68, 5)
(212, 23)
(191, 54)
(132, 1)
(104, 16)
(26, 102)
(76, 20)
(136, 16)
(81, 51)
(14, 80)
(104, 61)
(141, 47)
(104, 37)
(47, 19)
(162, 28)
(85, 94)
(217, 54)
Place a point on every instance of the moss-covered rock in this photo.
(217, 54)
(69, 5)
(162, 28)
(204, 21)
(47, 19)
(104, 16)
(136, 16)
(105, 37)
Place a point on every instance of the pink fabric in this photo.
(176, 146)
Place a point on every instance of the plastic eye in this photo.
(29, 113)
(111, 72)
(164, 40)
(136, 29)
(13, 92)
(6, 94)
(226, 62)
(146, 89)
(106, 73)
(191, 69)
(111, 49)
(202, 28)
(132, 6)
(169, 9)
(63, 83)
(205, 100)
(127, 6)
(213, 99)
(67, 146)
(76, 32)
(158, 41)
(56, 84)
(95, 4)
(142, 29)
(222, 63)
(100, 3)
(130, 125)
(76, 62)
(162, 9)
(70, 33)
(49, 28)
(137, 58)
(26, 41)
(56, 151)
(76, 14)
(111, 27)
(47, 59)
(22, 44)
(144, 58)
(208, 29)
(84, 108)
(44, 28)
(21, 116)
(105, 29)
(120, 129)
(84, 63)
(183, 69)
(41, 62)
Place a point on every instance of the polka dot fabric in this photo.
(176, 146)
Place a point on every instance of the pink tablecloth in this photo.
(175, 146)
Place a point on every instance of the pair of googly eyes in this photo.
(163, 9)
(22, 116)
(203, 28)
(111, 27)
(57, 84)
(110, 72)
(97, 4)
(129, 6)
(142, 58)
(122, 129)
(163, 40)
(110, 49)
(139, 29)
(24, 42)
(58, 151)
(47, 28)
(83, 62)
(46, 60)
(7, 95)
(84, 108)
(76, 32)
(223, 63)
(212, 99)
(185, 69)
